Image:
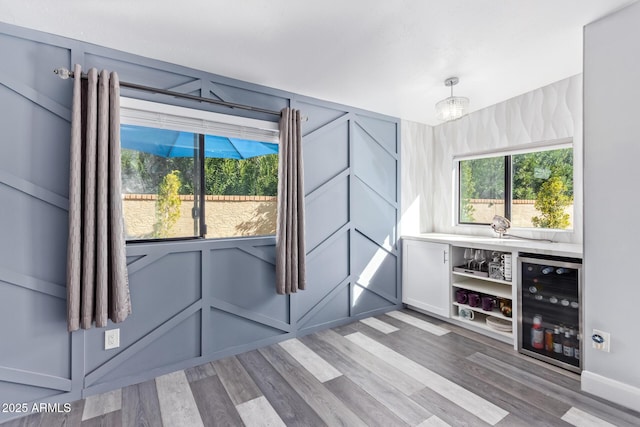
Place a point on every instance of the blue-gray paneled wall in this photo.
(193, 301)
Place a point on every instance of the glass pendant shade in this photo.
(452, 108)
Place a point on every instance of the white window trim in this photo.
(164, 116)
(556, 144)
(517, 149)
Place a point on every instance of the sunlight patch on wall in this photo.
(370, 271)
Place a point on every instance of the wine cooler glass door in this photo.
(549, 297)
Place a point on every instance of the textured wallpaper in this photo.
(549, 113)
(416, 177)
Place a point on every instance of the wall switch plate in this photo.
(601, 340)
(111, 339)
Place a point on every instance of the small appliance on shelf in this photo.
(500, 225)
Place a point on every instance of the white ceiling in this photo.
(386, 56)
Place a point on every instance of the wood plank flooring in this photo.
(398, 369)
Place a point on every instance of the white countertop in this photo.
(540, 247)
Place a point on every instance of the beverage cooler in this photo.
(550, 309)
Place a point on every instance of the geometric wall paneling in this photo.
(192, 301)
(193, 87)
(327, 210)
(140, 261)
(44, 161)
(31, 231)
(374, 164)
(34, 379)
(265, 252)
(11, 392)
(228, 330)
(55, 106)
(131, 71)
(258, 318)
(245, 281)
(383, 131)
(326, 154)
(317, 116)
(327, 267)
(333, 309)
(133, 260)
(44, 324)
(40, 89)
(159, 292)
(374, 268)
(213, 91)
(12, 278)
(239, 95)
(100, 373)
(35, 63)
(33, 190)
(373, 215)
(36, 349)
(181, 342)
(365, 301)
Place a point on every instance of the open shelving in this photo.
(485, 287)
(493, 313)
(503, 289)
(480, 323)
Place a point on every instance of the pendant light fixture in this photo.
(453, 107)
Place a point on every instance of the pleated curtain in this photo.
(97, 281)
(290, 246)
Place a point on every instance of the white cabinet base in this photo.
(425, 276)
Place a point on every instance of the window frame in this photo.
(158, 115)
(508, 190)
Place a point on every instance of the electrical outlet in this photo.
(601, 340)
(111, 339)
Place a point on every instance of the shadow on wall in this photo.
(263, 221)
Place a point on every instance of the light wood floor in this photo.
(398, 369)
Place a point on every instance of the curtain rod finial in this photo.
(63, 73)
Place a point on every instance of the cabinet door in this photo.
(425, 276)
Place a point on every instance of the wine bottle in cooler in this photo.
(567, 345)
(537, 333)
(557, 340)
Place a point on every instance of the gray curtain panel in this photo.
(290, 248)
(97, 281)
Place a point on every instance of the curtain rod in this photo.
(64, 74)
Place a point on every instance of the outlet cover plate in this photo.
(605, 345)
(111, 339)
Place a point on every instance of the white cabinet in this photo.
(434, 268)
(425, 276)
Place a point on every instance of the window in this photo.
(190, 174)
(533, 189)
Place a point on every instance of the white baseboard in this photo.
(612, 390)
